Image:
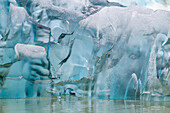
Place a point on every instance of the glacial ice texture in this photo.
(86, 48)
(152, 4)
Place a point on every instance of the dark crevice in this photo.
(69, 54)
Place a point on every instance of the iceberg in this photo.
(96, 49)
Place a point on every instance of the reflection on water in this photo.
(71, 104)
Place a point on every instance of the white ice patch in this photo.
(31, 51)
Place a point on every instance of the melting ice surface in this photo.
(87, 48)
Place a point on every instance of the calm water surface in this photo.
(71, 104)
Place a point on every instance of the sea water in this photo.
(72, 104)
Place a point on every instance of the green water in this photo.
(71, 104)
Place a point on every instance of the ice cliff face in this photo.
(94, 48)
(122, 39)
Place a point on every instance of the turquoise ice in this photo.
(90, 48)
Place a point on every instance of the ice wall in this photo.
(93, 48)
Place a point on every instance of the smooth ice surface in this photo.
(87, 48)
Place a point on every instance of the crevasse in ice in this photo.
(89, 48)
